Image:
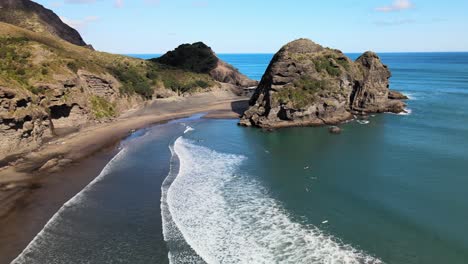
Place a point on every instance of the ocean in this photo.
(207, 191)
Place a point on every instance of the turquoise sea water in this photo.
(208, 191)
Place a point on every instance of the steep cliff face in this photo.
(32, 16)
(307, 84)
(200, 58)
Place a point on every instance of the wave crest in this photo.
(227, 217)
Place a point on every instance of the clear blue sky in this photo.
(263, 26)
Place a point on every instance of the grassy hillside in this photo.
(49, 87)
(29, 58)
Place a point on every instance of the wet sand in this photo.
(29, 197)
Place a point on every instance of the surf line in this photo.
(22, 258)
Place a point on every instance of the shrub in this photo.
(196, 57)
(324, 64)
(132, 81)
(72, 66)
(102, 108)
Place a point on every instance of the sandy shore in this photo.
(36, 186)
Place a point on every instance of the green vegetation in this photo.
(14, 59)
(343, 62)
(302, 92)
(27, 60)
(196, 57)
(133, 82)
(185, 84)
(102, 108)
(325, 64)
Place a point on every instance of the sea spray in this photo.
(227, 217)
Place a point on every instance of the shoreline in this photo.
(30, 197)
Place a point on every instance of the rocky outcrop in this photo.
(200, 58)
(307, 84)
(35, 17)
(23, 124)
(27, 120)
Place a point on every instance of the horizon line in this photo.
(268, 53)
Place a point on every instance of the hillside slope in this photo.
(49, 86)
(32, 16)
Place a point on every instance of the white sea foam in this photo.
(227, 217)
(41, 239)
(407, 112)
(411, 96)
(188, 129)
(363, 122)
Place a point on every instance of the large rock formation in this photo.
(200, 58)
(35, 17)
(307, 84)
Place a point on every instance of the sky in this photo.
(263, 26)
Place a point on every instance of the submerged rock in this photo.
(334, 130)
(307, 84)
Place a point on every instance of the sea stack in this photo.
(308, 85)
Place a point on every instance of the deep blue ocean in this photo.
(207, 191)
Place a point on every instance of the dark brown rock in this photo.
(395, 95)
(307, 84)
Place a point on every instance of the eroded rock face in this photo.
(307, 84)
(200, 58)
(27, 120)
(30, 15)
(23, 124)
(97, 85)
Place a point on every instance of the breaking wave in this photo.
(215, 214)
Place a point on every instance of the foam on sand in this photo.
(227, 217)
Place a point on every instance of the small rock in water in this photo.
(334, 130)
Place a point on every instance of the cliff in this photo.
(50, 87)
(32, 16)
(200, 58)
(307, 84)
